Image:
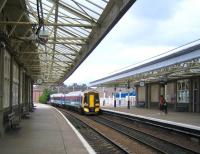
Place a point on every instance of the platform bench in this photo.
(13, 121)
(25, 113)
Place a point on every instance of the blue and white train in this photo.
(57, 99)
(86, 102)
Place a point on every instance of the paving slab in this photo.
(45, 132)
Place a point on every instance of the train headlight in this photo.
(86, 109)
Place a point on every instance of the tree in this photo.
(45, 96)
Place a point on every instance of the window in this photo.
(96, 98)
(183, 91)
(86, 98)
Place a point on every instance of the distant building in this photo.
(37, 92)
(108, 94)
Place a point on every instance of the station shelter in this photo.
(174, 74)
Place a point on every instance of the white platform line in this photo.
(84, 142)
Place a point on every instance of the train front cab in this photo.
(91, 103)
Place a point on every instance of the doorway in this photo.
(195, 96)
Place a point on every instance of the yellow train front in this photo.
(90, 102)
(84, 102)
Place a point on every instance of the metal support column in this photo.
(175, 99)
(146, 96)
(191, 107)
(31, 95)
(1, 90)
(11, 83)
(19, 94)
(26, 92)
(104, 96)
(120, 97)
(115, 96)
(128, 87)
(149, 96)
(23, 89)
(136, 96)
(29, 102)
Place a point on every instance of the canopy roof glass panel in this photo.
(51, 38)
(68, 24)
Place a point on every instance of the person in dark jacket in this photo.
(163, 104)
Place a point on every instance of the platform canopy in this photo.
(180, 63)
(51, 38)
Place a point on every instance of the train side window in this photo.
(85, 98)
(96, 98)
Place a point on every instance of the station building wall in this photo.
(36, 94)
(141, 96)
(181, 95)
(154, 95)
(15, 89)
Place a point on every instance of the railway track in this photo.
(100, 143)
(150, 122)
(120, 132)
(160, 145)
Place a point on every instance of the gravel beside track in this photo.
(161, 145)
(98, 141)
(130, 136)
(121, 140)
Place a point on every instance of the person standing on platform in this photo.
(165, 106)
(161, 103)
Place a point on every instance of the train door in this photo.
(91, 100)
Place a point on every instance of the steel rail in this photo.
(108, 140)
(156, 143)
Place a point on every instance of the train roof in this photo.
(87, 91)
(57, 95)
(75, 93)
(80, 93)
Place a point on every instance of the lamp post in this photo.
(104, 96)
(115, 96)
(120, 97)
(128, 87)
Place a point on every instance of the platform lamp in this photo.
(115, 88)
(128, 87)
(120, 97)
(115, 96)
(104, 96)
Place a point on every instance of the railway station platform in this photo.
(185, 118)
(45, 132)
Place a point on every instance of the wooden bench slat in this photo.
(13, 122)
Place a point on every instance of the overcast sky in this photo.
(149, 28)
